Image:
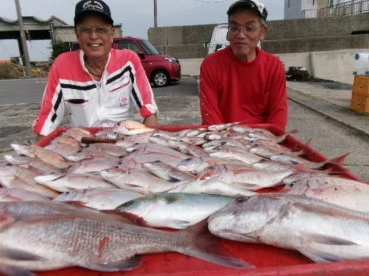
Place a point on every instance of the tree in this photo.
(57, 48)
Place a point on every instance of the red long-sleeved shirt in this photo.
(249, 92)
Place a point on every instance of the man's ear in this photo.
(112, 34)
(263, 33)
(227, 37)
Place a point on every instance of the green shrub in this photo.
(57, 48)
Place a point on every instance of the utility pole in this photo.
(155, 14)
(23, 39)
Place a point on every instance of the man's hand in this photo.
(151, 120)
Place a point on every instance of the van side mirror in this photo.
(141, 54)
(206, 44)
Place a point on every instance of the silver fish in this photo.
(16, 194)
(246, 177)
(211, 186)
(340, 191)
(12, 176)
(95, 164)
(31, 162)
(99, 198)
(45, 155)
(167, 172)
(230, 152)
(295, 160)
(140, 181)
(128, 141)
(175, 210)
(319, 230)
(65, 182)
(54, 241)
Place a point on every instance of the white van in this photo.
(219, 39)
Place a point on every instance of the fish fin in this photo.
(132, 218)
(19, 255)
(337, 161)
(328, 240)
(203, 245)
(7, 270)
(319, 256)
(282, 137)
(329, 209)
(128, 264)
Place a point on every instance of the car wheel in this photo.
(160, 78)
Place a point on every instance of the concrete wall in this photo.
(284, 36)
(329, 65)
(317, 27)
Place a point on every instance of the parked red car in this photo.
(160, 69)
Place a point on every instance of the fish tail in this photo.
(200, 243)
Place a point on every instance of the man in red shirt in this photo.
(243, 83)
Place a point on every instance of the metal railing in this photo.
(347, 8)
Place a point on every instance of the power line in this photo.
(211, 1)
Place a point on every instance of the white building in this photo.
(295, 9)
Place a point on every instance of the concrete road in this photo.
(179, 105)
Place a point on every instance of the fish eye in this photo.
(242, 199)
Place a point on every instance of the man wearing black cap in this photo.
(96, 86)
(243, 83)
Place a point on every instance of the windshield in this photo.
(148, 47)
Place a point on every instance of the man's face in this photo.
(245, 31)
(95, 36)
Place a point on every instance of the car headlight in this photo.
(171, 59)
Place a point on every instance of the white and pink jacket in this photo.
(122, 91)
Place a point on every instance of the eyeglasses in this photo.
(100, 30)
(250, 29)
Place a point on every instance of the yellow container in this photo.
(360, 103)
(361, 85)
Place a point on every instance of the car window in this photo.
(126, 44)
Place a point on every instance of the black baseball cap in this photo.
(93, 7)
(248, 4)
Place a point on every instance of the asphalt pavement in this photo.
(318, 109)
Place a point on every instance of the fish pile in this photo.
(96, 198)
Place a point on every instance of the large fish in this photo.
(45, 155)
(13, 176)
(231, 152)
(16, 194)
(72, 181)
(167, 172)
(138, 180)
(213, 186)
(247, 177)
(99, 198)
(319, 230)
(40, 242)
(341, 191)
(175, 210)
(59, 208)
(32, 163)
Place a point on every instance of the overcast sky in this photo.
(136, 17)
